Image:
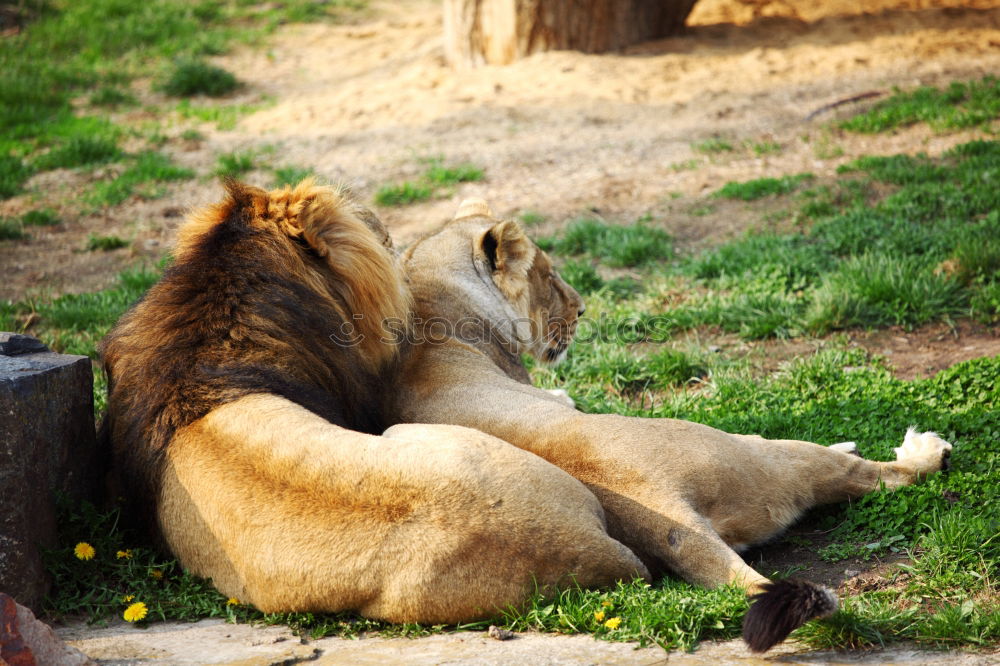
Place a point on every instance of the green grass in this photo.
(42, 217)
(403, 194)
(763, 187)
(80, 151)
(713, 146)
(893, 240)
(442, 176)
(617, 246)
(928, 250)
(531, 218)
(72, 49)
(11, 229)
(235, 164)
(961, 105)
(189, 77)
(105, 243)
(143, 169)
(291, 175)
(435, 179)
(113, 97)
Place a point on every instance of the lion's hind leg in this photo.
(429, 523)
(782, 606)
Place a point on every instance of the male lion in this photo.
(241, 417)
(681, 495)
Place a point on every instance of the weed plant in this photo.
(618, 246)
(436, 178)
(291, 175)
(762, 187)
(234, 165)
(190, 77)
(961, 105)
(144, 168)
(105, 243)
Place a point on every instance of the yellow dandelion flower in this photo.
(232, 601)
(599, 616)
(127, 598)
(156, 573)
(135, 612)
(124, 554)
(607, 603)
(613, 623)
(84, 551)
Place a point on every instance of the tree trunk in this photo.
(498, 32)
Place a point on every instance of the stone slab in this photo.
(216, 642)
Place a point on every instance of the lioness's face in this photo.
(555, 309)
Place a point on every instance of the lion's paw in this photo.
(923, 451)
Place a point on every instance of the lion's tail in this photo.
(782, 607)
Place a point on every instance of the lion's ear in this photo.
(473, 208)
(508, 250)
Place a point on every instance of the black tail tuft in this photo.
(782, 607)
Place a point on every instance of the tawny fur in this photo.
(245, 432)
(681, 495)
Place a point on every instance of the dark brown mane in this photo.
(254, 303)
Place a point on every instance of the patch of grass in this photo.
(763, 187)
(762, 148)
(145, 168)
(105, 243)
(530, 218)
(436, 177)
(80, 151)
(443, 176)
(42, 217)
(671, 614)
(685, 165)
(614, 245)
(225, 116)
(71, 49)
(874, 290)
(235, 164)
(291, 175)
(403, 194)
(11, 229)
(961, 105)
(113, 97)
(189, 77)
(713, 146)
(13, 173)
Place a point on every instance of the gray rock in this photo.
(13, 344)
(47, 446)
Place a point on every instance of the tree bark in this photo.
(498, 32)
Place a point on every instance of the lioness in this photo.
(246, 391)
(681, 495)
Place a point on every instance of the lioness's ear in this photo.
(472, 208)
(508, 250)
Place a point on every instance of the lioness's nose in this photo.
(583, 308)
